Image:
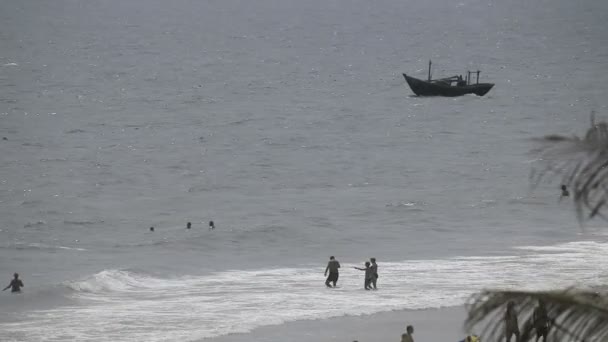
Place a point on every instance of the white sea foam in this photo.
(115, 302)
(38, 246)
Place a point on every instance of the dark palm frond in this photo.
(582, 165)
(575, 315)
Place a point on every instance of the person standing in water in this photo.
(332, 266)
(15, 285)
(211, 225)
(374, 268)
(368, 275)
(565, 192)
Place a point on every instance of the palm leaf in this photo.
(577, 315)
(582, 165)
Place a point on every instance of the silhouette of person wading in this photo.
(374, 268)
(15, 285)
(565, 192)
(368, 275)
(332, 266)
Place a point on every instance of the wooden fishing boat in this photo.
(450, 86)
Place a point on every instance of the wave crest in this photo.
(38, 246)
(113, 281)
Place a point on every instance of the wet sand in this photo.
(429, 325)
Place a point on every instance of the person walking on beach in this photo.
(541, 321)
(332, 267)
(374, 268)
(368, 275)
(511, 325)
(15, 285)
(407, 337)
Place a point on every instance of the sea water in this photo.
(289, 124)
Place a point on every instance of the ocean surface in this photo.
(289, 124)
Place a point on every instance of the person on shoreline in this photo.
(332, 266)
(541, 321)
(511, 325)
(368, 275)
(407, 337)
(189, 225)
(374, 268)
(16, 284)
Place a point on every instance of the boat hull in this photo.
(425, 88)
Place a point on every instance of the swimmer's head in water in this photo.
(563, 187)
(151, 229)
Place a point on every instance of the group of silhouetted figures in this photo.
(540, 322)
(371, 273)
(189, 226)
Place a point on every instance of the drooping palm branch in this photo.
(582, 165)
(576, 315)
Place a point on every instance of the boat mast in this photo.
(469, 76)
(430, 70)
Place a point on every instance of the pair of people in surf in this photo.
(211, 225)
(371, 273)
(189, 226)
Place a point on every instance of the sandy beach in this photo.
(429, 325)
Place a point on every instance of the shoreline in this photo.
(444, 324)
